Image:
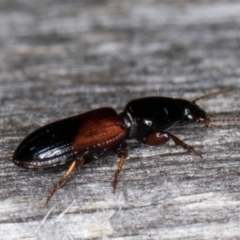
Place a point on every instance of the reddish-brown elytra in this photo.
(82, 138)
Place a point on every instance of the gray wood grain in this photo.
(60, 58)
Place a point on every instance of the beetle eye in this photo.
(190, 117)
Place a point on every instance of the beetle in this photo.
(79, 139)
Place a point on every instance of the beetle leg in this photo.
(122, 153)
(76, 163)
(117, 172)
(159, 138)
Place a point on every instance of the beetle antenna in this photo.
(233, 120)
(208, 95)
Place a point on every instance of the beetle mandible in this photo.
(82, 138)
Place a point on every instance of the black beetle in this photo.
(82, 138)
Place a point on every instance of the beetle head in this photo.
(194, 114)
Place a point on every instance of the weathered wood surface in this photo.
(60, 58)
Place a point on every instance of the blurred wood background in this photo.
(61, 58)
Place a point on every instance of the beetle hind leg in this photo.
(122, 153)
(76, 163)
(117, 172)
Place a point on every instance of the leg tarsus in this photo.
(122, 152)
(117, 172)
(76, 163)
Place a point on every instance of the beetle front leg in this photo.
(159, 138)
